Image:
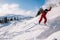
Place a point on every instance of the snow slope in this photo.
(31, 30)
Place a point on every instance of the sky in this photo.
(22, 7)
(26, 4)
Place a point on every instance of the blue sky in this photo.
(22, 7)
(27, 4)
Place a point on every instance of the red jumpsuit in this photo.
(44, 16)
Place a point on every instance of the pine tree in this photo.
(5, 20)
(11, 19)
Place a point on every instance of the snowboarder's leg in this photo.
(45, 19)
(41, 19)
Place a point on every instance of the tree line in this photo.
(6, 20)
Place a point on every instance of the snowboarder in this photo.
(44, 15)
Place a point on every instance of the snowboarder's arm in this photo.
(50, 8)
(39, 12)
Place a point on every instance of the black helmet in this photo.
(46, 9)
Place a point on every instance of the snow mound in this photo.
(54, 36)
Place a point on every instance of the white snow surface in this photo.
(31, 30)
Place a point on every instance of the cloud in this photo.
(14, 9)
